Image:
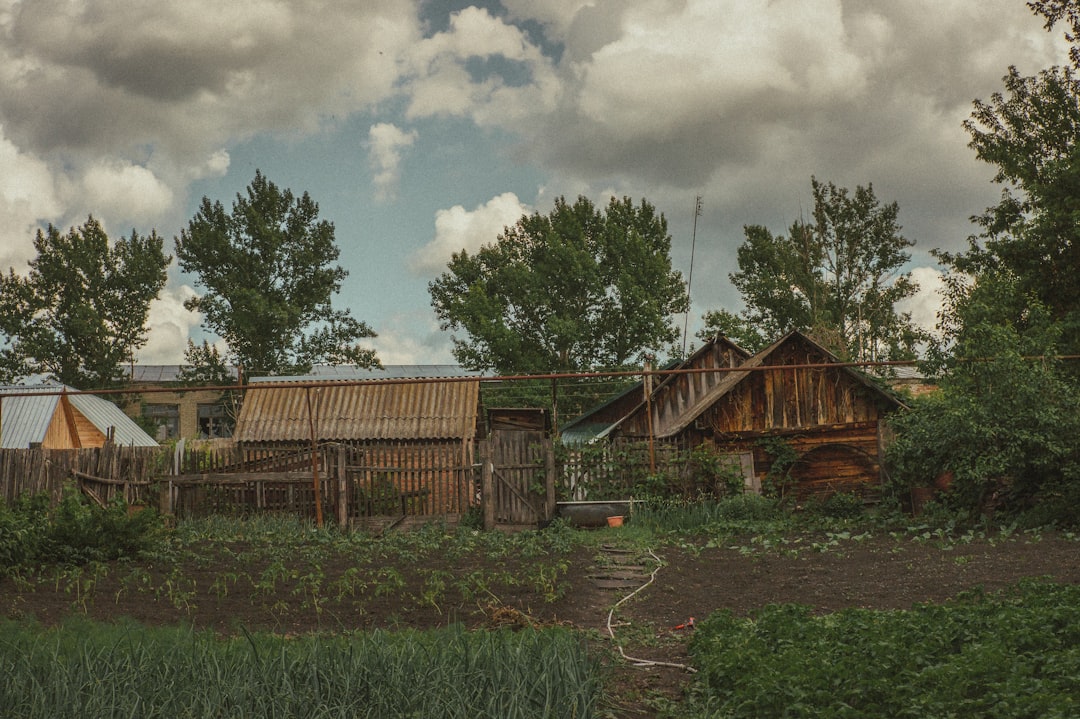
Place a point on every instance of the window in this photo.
(167, 419)
(214, 422)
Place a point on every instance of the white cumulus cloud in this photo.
(170, 326)
(458, 229)
(925, 304)
(386, 142)
(27, 197)
(119, 190)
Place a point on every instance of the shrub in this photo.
(1012, 447)
(839, 505)
(73, 532)
(23, 527)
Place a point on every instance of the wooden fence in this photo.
(518, 479)
(356, 482)
(36, 471)
(388, 481)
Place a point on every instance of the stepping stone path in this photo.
(622, 570)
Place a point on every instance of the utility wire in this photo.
(690, 276)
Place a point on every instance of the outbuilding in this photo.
(792, 414)
(50, 415)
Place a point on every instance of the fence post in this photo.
(343, 489)
(550, 473)
(487, 488)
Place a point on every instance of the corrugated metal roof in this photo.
(105, 414)
(399, 410)
(26, 419)
(169, 373)
(159, 373)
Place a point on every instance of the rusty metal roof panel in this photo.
(371, 411)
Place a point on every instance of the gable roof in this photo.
(683, 408)
(597, 422)
(373, 410)
(731, 379)
(26, 411)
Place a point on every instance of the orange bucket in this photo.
(614, 521)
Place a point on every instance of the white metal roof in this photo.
(25, 419)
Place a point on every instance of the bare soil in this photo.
(679, 582)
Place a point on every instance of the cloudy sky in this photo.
(422, 127)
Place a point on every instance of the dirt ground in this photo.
(826, 573)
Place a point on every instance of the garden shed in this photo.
(791, 414)
(50, 415)
(408, 444)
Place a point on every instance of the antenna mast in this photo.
(690, 278)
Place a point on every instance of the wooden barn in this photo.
(408, 444)
(793, 403)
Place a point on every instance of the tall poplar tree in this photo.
(269, 273)
(838, 278)
(577, 289)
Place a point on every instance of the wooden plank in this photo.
(117, 482)
(236, 478)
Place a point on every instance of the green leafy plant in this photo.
(73, 532)
(783, 457)
(88, 669)
(1006, 655)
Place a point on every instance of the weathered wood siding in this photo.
(784, 399)
(33, 471)
(834, 458)
(829, 415)
(384, 478)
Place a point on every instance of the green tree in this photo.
(81, 311)
(1003, 423)
(576, 289)
(269, 274)
(736, 327)
(1005, 426)
(1061, 10)
(837, 278)
(1030, 240)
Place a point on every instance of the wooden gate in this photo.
(518, 479)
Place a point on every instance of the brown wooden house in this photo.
(792, 403)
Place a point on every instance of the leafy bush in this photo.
(73, 532)
(679, 515)
(839, 505)
(783, 457)
(23, 528)
(1011, 447)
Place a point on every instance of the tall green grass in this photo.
(742, 512)
(84, 669)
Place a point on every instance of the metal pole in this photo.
(314, 460)
(646, 381)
